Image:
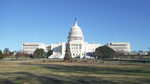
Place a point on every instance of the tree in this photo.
(18, 54)
(49, 53)
(6, 52)
(39, 53)
(104, 52)
(68, 57)
(1, 54)
(149, 51)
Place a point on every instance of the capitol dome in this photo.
(75, 33)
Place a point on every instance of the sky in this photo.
(49, 21)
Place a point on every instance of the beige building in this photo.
(30, 47)
(120, 46)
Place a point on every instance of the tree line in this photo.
(38, 53)
(6, 52)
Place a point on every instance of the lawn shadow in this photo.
(6, 81)
(30, 78)
(93, 70)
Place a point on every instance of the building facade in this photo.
(29, 48)
(120, 46)
(78, 47)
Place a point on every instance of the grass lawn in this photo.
(18, 72)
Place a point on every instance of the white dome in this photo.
(75, 33)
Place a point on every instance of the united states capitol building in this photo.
(78, 46)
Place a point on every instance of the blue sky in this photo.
(49, 21)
